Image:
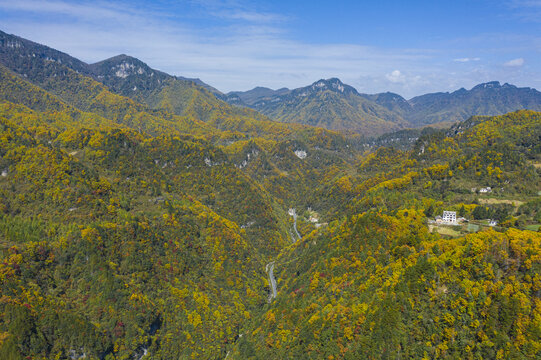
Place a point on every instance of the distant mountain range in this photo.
(489, 98)
(327, 103)
(334, 105)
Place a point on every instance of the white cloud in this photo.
(463, 60)
(515, 62)
(396, 77)
(238, 10)
(81, 11)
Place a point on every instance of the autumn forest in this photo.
(142, 216)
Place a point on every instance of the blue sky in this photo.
(409, 47)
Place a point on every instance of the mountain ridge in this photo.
(33, 49)
(422, 110)
(490, 98)
(173, 101)
(327, 103)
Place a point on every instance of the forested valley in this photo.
(145, 227)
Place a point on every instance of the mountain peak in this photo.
(261, 88)
(488, 85)
(509, 86)
(119, 59)
(14, 48)
(259, 93)
(333, 84)
(121, 66)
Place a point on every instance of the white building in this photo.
(301, 154)
(485, 190)
(449, 217)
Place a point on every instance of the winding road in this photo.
(295, 226)
(293, 212)
(272, 281)
(269, 268)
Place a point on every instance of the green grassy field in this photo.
(533, 227)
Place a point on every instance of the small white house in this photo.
(485, 190)
(449, 217)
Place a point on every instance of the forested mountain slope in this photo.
(326, 103)
(133, 229)
(378, 284)
(182, 103)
